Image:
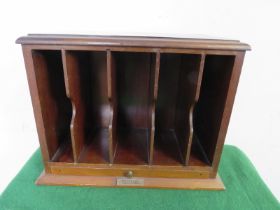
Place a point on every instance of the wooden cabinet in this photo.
(132, 111)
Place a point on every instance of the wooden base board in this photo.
(135, 182)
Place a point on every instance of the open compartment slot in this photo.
(134, 85)
(198, 156)
(87, 85)
(55, 106)
(178, 77)
(211, 104)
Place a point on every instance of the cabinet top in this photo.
(133, 41)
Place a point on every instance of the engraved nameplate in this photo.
(130, 182)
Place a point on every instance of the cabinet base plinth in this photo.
(135, 182)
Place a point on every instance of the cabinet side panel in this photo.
(209, 109)
(233, 84)
(55, 106)
(33, 88)
(214, 107)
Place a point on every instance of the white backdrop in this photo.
(255, 122)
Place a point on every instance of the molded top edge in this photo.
(132, 41)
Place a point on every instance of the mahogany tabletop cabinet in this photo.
(124, 111)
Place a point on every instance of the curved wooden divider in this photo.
(196, 90)
(155, 77)
(72, 85)
(112, 102)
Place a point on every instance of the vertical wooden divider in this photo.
(72, 83)
(155, 77)
(111, 78)
(192, 106)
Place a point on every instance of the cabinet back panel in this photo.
(167, 92)
(99, 89)
(93, 80)
(133, 87)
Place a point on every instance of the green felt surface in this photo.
(244, 190)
